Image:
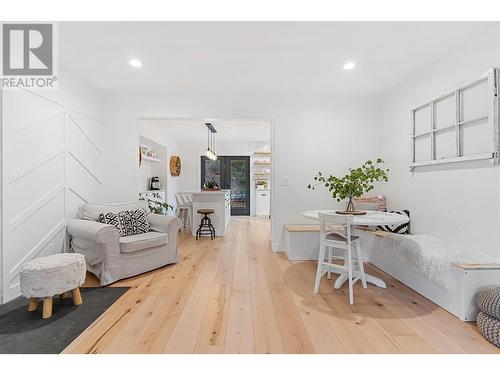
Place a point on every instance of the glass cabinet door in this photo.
(239, 185)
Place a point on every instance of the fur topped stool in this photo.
(46, 277)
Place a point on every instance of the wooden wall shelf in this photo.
(149, 158)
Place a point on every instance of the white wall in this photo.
(458, 203)
(52, 162)
(311, 133)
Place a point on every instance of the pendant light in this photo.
(210, 153)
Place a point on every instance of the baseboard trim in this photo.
(277, 248)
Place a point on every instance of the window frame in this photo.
(491, 77)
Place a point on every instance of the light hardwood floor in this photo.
(234, 295)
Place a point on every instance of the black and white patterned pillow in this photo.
(141, 221)
(398, 229)
(128, 222)
(113, 219)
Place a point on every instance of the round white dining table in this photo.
(372, 218)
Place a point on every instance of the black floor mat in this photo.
(26, 332)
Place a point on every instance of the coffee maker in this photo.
(155, 183)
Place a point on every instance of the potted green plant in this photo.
(354, 184)
(211, 185)
(156, 206)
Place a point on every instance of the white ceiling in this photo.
(228, 131)
(255, 57)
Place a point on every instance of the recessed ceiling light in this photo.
(135, 63)
(349, 65)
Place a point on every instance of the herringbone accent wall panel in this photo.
(52, 163)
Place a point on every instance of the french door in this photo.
(230, 172)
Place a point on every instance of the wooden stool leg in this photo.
(77, 296)
(47, 307)
(33, 304)
(64, 295)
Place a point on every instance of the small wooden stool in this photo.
(47, 302)
(206, 226)
(46, 277)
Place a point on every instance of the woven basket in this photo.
(489, 328)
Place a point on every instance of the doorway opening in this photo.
(243, 164)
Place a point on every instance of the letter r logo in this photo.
(27, 49)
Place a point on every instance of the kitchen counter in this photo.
(220, 202)
(220, 191)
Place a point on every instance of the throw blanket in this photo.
(431, 256)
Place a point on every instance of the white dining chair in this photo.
(339, 239)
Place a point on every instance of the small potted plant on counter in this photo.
(211, 185)
(354, 184)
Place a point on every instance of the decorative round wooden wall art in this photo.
(175, 165)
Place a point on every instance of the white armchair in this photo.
(111, 257)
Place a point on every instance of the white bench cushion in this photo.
(138, 242)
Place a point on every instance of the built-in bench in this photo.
(445, 274)
(302, 241)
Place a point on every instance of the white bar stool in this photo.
(184, 207)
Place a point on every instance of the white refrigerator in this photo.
(263, 203)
